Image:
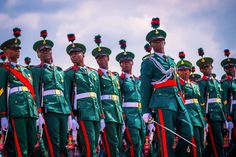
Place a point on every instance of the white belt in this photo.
(191, 101)
(18, 89)
(233, 102)
(132, 104)
(85, 95)
(53, 92)
(109, 97)
(213, 100)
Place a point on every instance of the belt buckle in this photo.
(91, 94)
(24, 88)
(114, 97)
(57, 92)
(195, 101)
(139, 105)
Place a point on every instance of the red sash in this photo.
(22, 79)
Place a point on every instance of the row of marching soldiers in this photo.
(168, 111)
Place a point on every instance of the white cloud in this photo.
(27, 20)
(130, 20)
(12, 3)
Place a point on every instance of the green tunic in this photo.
(165, 101)
(130, 91)
(21, 104)
(229, 96)
(86, 104)
(51, 78)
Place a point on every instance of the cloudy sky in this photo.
(210, 24)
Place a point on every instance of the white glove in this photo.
(4, 123)
(226, 124)
(74, 125)
(102, 125)
(147, 117)
(151, 128)
(40, 121)
(69, 122)
(123, 128)
(206, 128)
(230, 125)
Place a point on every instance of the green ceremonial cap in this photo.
(156, 33)
(43, 44)
(74, 47)
(183, 64)
(204, 60)
(13, 43)
(99, 51)
(125, 55)
(148, 49)
(27, 60)
(194, 77)
(228, 61)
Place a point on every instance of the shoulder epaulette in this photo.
(170, 57)
(68, 69)
(115, 73)
(92, 69)
(59, 68)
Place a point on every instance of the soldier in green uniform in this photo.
(191, 94)
(130, 91)
(17, 99)
(111, 101)
(193, 76)
(49, 85)
(161, 95)
(210, 100)
(228, 84)
(84, 95)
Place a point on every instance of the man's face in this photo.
(45, 55)
(126, 66)
(158, 45)
(206, 69)
(230, 70)
(12, 54)
(102, 61)
(184, 73)
(77, 57)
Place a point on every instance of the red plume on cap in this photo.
(97, 39)
(148, 48)
(71, 37)
(181, 55)
(155, 22)
(201, 52)
(122, 44)
(227, 52)
(193, 69)
(43, 34)
(17, 32)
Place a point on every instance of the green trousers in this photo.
(55, 134)
(135, 140)
(10, 145)
(25, 135)
(178, 122)
(215, 139)
(112, 137)
(88, 135)
(198, 133)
